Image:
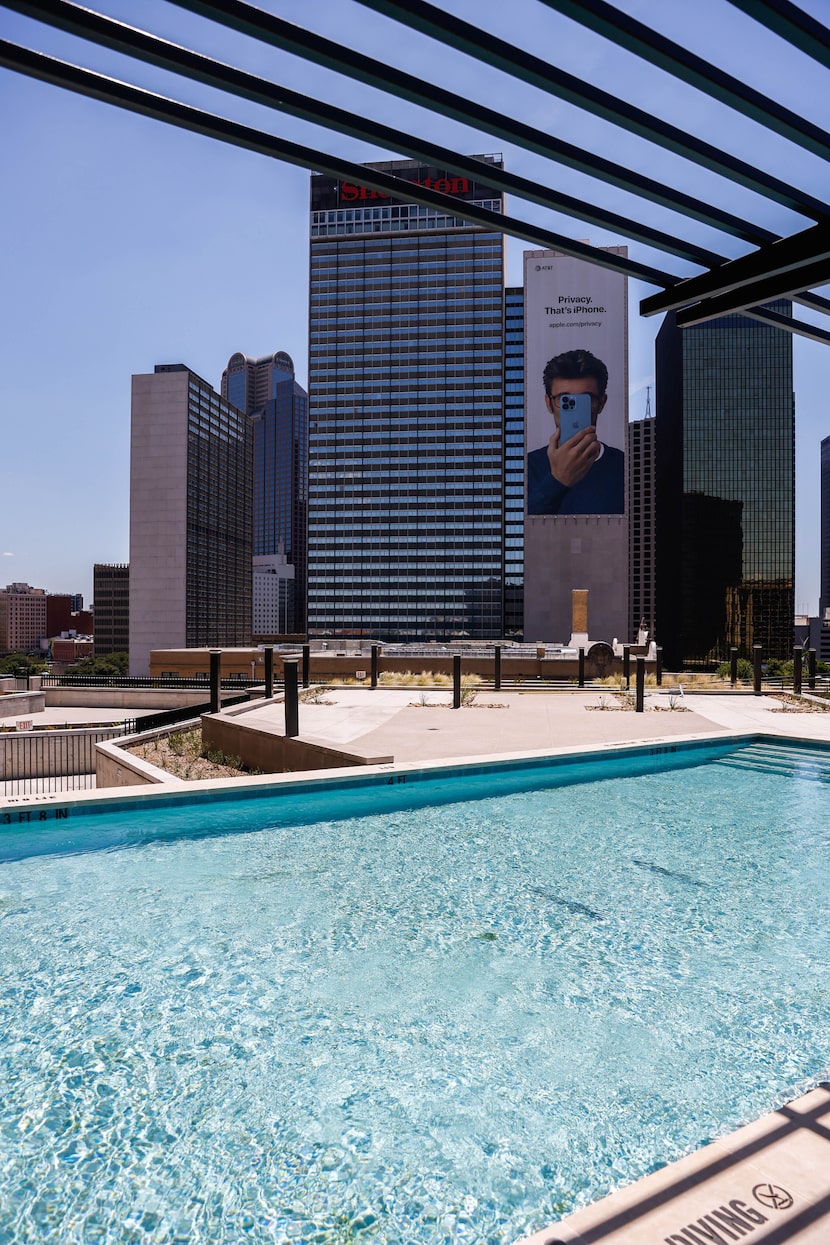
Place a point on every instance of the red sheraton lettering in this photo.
(350, 193)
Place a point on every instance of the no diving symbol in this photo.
(773, 1195)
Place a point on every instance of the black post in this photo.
(756, 669)
(658, 668)
(456, 681)
(269, 671)
(627, 665)
(640, 685)
(306, 664)
(811, 669)
(798, 657)
(292, 700)
(497, 668)
(581, 674)
(374, 675)
(733, 666)
(215, 663)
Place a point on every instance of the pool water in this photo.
(452, 1023)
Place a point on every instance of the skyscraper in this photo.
(191, 457)
(111, 598)
(642, 476)
(824, 582)
(266, 390)
(514, 461)
(406, 442)
(725, 489)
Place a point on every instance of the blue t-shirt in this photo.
(601, 491)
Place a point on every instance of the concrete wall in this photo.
(576, 551)
(22, 704)
(115, 767)
(333, 664)
(125, 697)
(49, 754)
(273, 754)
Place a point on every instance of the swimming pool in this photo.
(449, 1021)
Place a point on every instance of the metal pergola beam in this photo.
(801, 260)
(780, 267)
(257, 24)
(791, 23)
(549, 78)
(649, 45)
(764, 289)
(148, 104)
(128, 40)
(779, 321)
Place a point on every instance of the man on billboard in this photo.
(575, 473)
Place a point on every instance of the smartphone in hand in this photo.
(574, 414)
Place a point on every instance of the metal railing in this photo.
(42, 761)
(143, 681)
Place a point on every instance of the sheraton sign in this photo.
(329, 192)
(446, 185)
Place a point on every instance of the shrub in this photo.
(744, 669)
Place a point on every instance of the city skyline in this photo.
(117, 222)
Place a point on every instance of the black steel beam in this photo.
(801, 260)
(799, 327)
(128, 40)
(814, 301)
(540, 73)
(643, 41)
(790, 22)
(288, 37)
(767, 287)
(147, 103)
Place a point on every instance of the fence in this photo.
(125, 681)
(50, 760)
(37, 761)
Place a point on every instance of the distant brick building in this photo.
(22, 618)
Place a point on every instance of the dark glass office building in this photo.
(824, 583)
(266, 389)
(514, 461)
(406, 417)
(725, 490)
(642, 475)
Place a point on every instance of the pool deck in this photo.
(414, 724)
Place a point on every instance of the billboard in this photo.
(576, 386)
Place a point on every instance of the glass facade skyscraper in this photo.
(642, 475)
(514, 461)
(406, 437)
(266, 390)
(824, 581)
(725, 489)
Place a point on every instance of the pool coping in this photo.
(770, 1177)
(263, 785)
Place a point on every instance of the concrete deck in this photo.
(415, 724)
(68, 715)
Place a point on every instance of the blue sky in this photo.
(131, 243)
